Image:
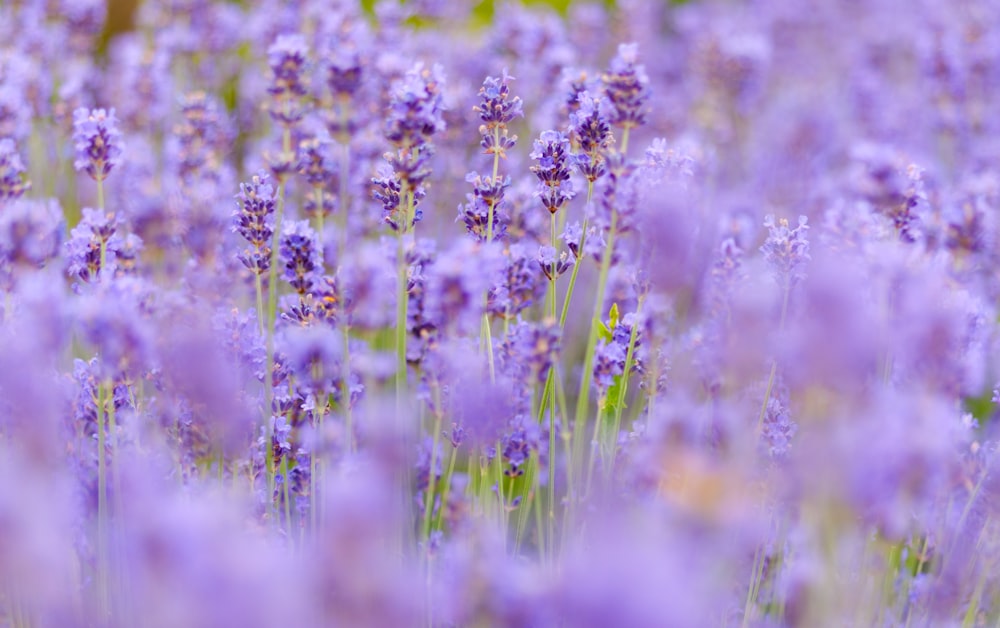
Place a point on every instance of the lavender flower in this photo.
(12, 181)
(94, 245)
(497, 108)
(415, 111)
(551, 152)
(97, 141)
(301, 257)
(253, 220)
(288, 59)
(627, 87)
(786, 250)
(589, 125)
(486, 194)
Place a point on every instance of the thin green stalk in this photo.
(102, 508)
(272, 313)
(623, 389)
(774, 364)
(496, 170)
(583, 401)
(486, 331)
(431, 481)
(345, 383)
(342, 216)
(446, 490)
(259, 292)
(402, 294)
(100, 206)
(552, 397)
(320, 217)
(486, 340)
(527, 499)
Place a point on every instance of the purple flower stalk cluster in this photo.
(98, 142)
(719, 346)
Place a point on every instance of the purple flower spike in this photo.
(552, 154)
(12, 183)
(98, 142)
(288, 60)
(253, 220)
(627, 87)
(589, 124)
(416, 110)
(496, 109)
(301, 256)
(786, 250)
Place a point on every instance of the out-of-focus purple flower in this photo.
(367, 280)
(786, 250)
(531, 349)
(253, 219)
(98, 142)
(12, 181)
(288, 59)
(204, 136)
(114, 320)
(892, 187)
(496, 109)
(99, 231)
(314, 358)
(627, 87)
(778, 427)
(415, 111)
(609, 363)
(314, 161)
(31, 232)
(552, 154)
(519, 286)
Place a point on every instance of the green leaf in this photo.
(602, 330)
(614, 316)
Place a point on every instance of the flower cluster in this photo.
(98, 142)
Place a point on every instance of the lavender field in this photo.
(632, 314)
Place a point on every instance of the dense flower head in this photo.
(589, 125)
(12, 181)
(301, 256)
(627, 87)
(551, 154)
(98, 142)
(288, 57)
(315, 162)
(416, 108)
(97, 239)
(288, 60)
(486, 194)
(344, 71)
(786, 250)
(202, 135)
(253, 219)
(497, 108)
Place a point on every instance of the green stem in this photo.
(431, 481)
(620, 405)
(496, 170)
(586, 377)
(102, 507)
(259, 292)
(774, 364)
